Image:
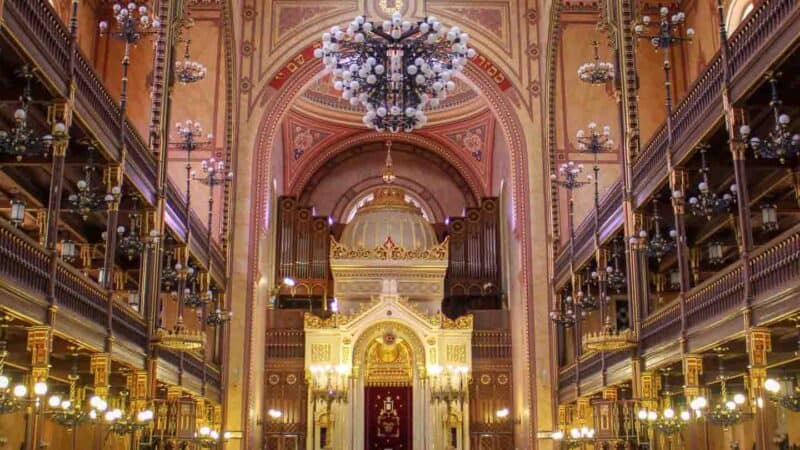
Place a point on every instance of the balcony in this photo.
(32, 25)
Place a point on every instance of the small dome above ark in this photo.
(388, 216)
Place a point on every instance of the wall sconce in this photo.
(769, 217)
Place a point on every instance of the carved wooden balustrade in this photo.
(698, 112)
(46, 40)
(23, 263)
(491, 345)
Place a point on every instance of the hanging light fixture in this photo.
(769, 217)
(716, 254)
(132, 244)
(657, 245)
(68, 250)
(729, 411)
(17, 216)
(667, 29)
(779, 143)
(190, 133)
(394, 69)
(576, 438)
(21, 140)
(132, 22)
(707, 203)
(564, 314)
(596, 71)
(589, 301)
(674, 279)
(169, 273)
(189, 71)
(615, 276)
(90, 198)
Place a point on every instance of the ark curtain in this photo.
(388, 418)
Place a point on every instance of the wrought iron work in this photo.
(394, 69)
(707, 203)
(22, 140)
(189, 71)
(657, 245)
(596, 71)
(779, 143)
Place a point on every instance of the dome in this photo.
(389, 217)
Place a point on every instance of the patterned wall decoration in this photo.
(303, 137)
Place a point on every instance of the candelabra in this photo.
(595, 142)
(206, 437)
(596, 71)
(124, 423)
(169, 272)
(329, 383)
(576, 438)
(89, 198)
(189, 71)
(21, 140)
(589, 301)
(132, 244)
(394, 69)
(657, 245)
(666, 422)
(69, 412)
(449, 384)
(707, 203)
(779, 143)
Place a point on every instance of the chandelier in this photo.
(394, 69)
(206, 437)
(784, 393)
(667, 422)
(22, 140)
(729, 411)
(188, 71)
(190, 133)
(615, 277)
(596, 71)
(70, 412)
(131, 243)
(132, 23)
(667, 28)
(564, 314)
(595, 142)
(779, 143)
(124, 423)
(90, 198)
(588, 301)
(181, 338)
(609, 339)
(707, 203)
(218, 317)
(658, 245)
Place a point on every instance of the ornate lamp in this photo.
(90, 198)
(779, 143)
(707, 203)
(609, 339)
(448, 384)
(181, 338)
(657, 245)
(68, 250)
(132, 22)
(17, 216)
(206, 437)
(596, 71)
(394, 69)
(576, 438)
(729, 411)
(21, 140)
(615, 277)
(132, 244)
(784, 393)
(189, 71)
(769, 217)
(666, 32)
(71, 412)
(329, 383)
(595, 142)
(564, 314)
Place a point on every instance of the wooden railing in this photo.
(717, 295)
(661, 326)
(75, 292)
(777, 265)
(566, 376)
(491, 345)
(697, 112)
(284, 344)
(590, 364)
(23, 262)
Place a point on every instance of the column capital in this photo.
(40, 345)
(100, 366)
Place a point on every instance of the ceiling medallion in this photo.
(394, 69)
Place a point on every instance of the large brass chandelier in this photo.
(395, 68)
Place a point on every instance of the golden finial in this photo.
(388, 173)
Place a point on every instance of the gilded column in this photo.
(40, 342)
(692, 388)
(759, 344)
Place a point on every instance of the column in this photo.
(759, 344)
(100, 367)
(39, 345)
(113, 178)
(678, 184)
(692, 388)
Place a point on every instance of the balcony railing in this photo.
(697, 113)
(491, 345)
(285, 344)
